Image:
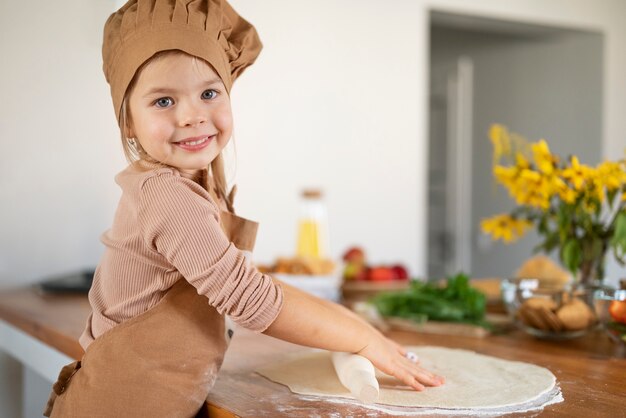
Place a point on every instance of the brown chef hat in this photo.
(208, 29)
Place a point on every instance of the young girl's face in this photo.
(180, 112)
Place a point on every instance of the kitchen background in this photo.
(352, 96)
(339, 99)
(544, 82)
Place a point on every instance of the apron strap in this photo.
(240, 231)
(59, 386)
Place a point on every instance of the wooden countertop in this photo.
(591, 370)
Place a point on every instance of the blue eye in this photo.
(209, 94)
(163, 102)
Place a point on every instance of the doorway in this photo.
(541, 82)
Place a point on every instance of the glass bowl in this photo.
(548, 309)
(610, 305)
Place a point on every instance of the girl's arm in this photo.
(312, 322)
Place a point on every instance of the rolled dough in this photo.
(473, 380)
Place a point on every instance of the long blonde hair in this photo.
(134, 152)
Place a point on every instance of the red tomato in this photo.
(381, 274)
(618, 310)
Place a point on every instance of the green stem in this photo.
(611, 225)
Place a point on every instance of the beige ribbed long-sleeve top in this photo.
(167, 228)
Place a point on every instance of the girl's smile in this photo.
(195, 144)
(180, 112)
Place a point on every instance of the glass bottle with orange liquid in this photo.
(312, 226)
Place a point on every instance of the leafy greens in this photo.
(454, 302)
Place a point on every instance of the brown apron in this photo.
(161, 363)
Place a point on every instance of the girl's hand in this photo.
(309, 321)
(389, 357)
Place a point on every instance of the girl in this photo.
(174, 262)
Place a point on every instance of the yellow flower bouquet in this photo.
(578, 210)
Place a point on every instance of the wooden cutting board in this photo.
(501, 323)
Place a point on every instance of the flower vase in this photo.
(591, 270)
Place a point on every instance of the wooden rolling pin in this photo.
(357, 374)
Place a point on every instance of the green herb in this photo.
(617, 329)
(454, 302)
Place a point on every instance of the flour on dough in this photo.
(473, 380)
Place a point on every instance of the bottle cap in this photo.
(312, 193)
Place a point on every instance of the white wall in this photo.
(337, 99)
(333, 103)
(60, 147)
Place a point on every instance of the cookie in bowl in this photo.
(547, 310)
